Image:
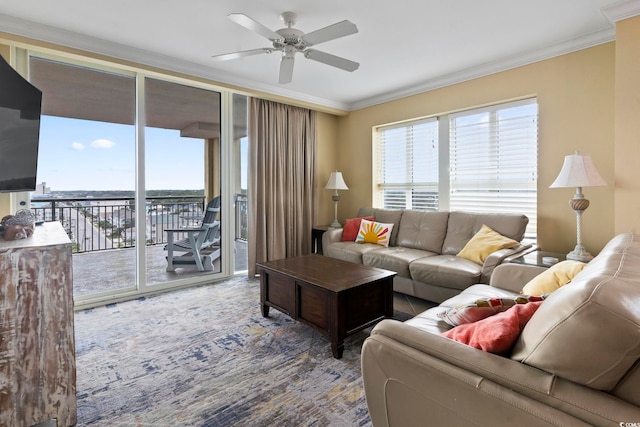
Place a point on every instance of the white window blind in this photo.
(407, 165)
(493, 156)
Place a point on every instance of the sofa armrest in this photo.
(411, 376)
(332, 235)
(513, 277)
(500, 256)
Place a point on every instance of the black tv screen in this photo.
(20, 106)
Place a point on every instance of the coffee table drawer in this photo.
(314, 306)
(279, 292)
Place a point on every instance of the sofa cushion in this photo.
(589, 331)
(422, 230)
(484, 243)
(553, 278)
(374, 232)
(348, 251)
(389, 216)
(495, 334)
(462, 226)
(351, 228)
(445, 270)
(394, 258)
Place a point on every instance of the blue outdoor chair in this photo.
(201, 246)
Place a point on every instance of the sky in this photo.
(88, 155)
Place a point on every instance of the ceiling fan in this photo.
(290, 40)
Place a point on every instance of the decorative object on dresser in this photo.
(578, 171)
(336, 182)
(37, 346)
(18, 226)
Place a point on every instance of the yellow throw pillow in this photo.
(484, 243)
(553, 278)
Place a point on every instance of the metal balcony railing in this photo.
(95, 224)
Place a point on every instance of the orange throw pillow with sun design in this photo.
(374, 232)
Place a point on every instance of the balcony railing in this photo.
(95, 224)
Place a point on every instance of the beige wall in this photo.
(326, 163)
(627, 125)
(576, 112)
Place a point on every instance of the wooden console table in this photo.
(37, 346)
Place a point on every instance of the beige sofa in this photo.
(423, 248)
(576, 362)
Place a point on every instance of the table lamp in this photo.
(578, 171)
(336, 182)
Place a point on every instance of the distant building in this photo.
(42, 189)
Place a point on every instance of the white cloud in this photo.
(77, 146)
(102, 143)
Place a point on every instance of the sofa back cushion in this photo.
(589, 330)
(462, 226)
(423, 230)
(389, 216)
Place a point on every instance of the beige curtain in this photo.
(282, 159)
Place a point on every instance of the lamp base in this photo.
(579, 254)
(335, 224)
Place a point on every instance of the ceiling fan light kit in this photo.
(290, 40)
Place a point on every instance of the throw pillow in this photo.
(483, 308)
(484, 243)
(374, 232)
(495, 334)
(351, 228)
(553, 278)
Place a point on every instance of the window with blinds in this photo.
(407, 166)
(493, 163)
(491, 155)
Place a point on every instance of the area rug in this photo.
(206, 357)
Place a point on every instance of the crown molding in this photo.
(621, 10)
(486, 69)
(45, 33)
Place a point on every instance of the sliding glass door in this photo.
(134, 167)
(182, 178)
(86, 170)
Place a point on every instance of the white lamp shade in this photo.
(578, 171)
(336, 182)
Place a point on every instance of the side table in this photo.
(540, 258)
(316, 238)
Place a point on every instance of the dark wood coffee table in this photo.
(337, 298)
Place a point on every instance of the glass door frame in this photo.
(227, 172)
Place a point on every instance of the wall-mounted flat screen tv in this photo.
(20, 107)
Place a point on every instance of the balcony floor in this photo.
(114, 269)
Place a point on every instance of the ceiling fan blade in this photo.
(340, 29)
(253, 25)
(334, 61)
(241, 54)
(286, 67)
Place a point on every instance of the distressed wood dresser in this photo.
(37, 347)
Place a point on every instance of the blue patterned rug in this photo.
(206, 357)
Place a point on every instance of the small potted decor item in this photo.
(18, 226)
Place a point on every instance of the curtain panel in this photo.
(282, 163)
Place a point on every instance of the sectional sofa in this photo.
(576, 362)
(423, 249)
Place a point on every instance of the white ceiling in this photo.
(403, 46)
